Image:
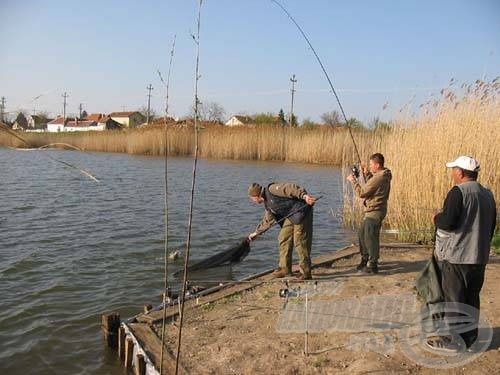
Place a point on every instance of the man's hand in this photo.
(251, 236)
(351, 178)
(310, 200)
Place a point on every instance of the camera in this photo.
(355, 171)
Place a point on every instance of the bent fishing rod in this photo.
(324, 71)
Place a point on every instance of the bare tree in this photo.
(209, 111)
(331, 118)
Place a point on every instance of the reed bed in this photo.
(416, 149)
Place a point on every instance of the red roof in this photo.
(95, 117)
(59, 121)
(122, 114)
(80, 124)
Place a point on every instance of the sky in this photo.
(381, 55)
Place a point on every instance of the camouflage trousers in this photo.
(298, 236)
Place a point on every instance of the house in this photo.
(56, 125)
(37, 123)
(107, 123)
(238, 120)
(20, 123)
(128, 119)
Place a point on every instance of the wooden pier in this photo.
(139, 346)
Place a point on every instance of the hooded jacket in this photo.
(375, 192)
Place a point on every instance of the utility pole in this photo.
(2, 108)
(293, 80)
(80, 108)
(149, 88)
(65, 95)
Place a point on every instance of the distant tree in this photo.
(378, 125)
(21, 119)
(355, 123)
(264, 118)
(307, 123)
(208, 111)
(215, 112)
(84, 114)
(295, 121)
(144, 111)
(281, 116)
(331, 118)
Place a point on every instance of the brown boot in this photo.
(306, 273)
(281, 272)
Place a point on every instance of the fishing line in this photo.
(30, 148)
(325, 72)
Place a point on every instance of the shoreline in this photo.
(244, 332)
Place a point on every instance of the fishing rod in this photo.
(9, 131)
(166, 286)
(191, 204)
(324, 71)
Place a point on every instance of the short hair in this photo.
(378, 158)
(469, 174)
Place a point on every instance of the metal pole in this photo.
(65, 96)
(149, 88)
(293, 80)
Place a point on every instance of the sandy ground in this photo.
(239, 334)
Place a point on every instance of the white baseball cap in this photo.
(465, 162)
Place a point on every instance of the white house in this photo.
(56, 125)
(238, 120)
(128, 119)
(37, 123)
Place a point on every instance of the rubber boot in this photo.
(281, 272)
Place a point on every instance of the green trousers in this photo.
(369, 239)
(300, 236)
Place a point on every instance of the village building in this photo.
(239, 120)
(20, 123)
(37, 123)
(56, 125)
(128, 119)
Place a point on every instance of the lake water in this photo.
(72, 249)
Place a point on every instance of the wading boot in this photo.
(281, 272)
(362, 264)
(371, 268)
(306, 273)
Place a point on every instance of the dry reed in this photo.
(416, 150)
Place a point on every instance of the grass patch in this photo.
(495, 243)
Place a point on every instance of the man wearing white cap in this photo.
(465, 228)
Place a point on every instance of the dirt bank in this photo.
(246, 333)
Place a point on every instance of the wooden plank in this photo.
(151, 344)
(140, 365)
(121, 343)
(109, 325)
(129, 350)
(229, 289)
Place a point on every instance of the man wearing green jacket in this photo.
(290, 206)
(375, 193)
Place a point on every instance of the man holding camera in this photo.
(375, 193)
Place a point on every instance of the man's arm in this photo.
(452, 209)
(267, 222)
(368, 189)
